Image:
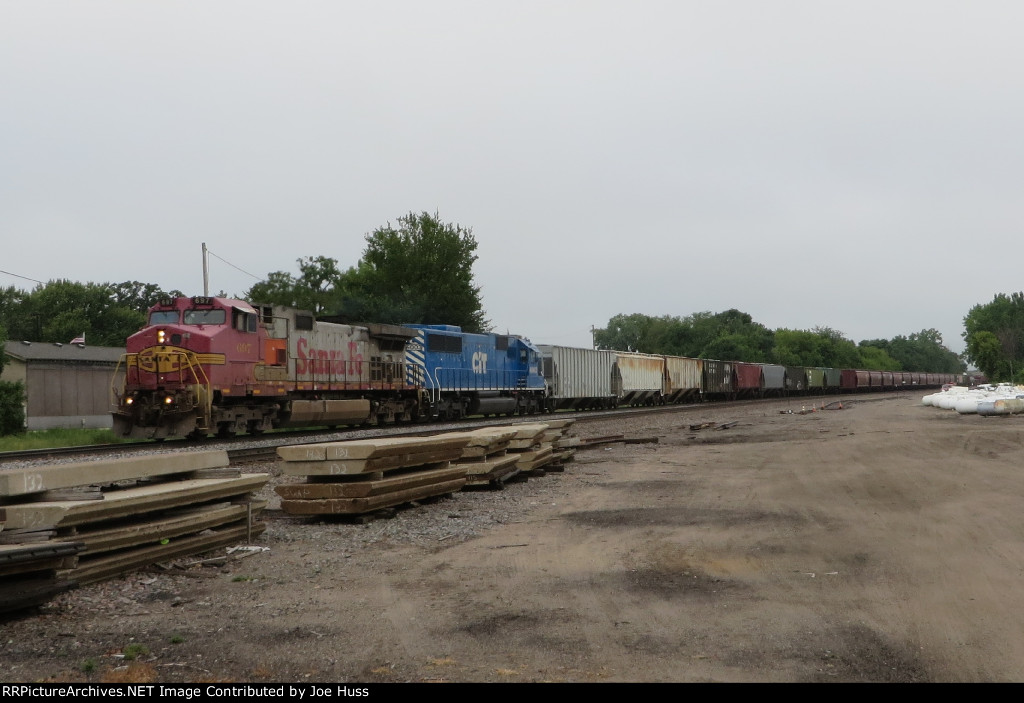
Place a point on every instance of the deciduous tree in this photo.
(419, 270)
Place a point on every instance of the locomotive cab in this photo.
(195, 354)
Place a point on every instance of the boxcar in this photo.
(774, 379)
(816, 379)
(833, 379)
(716, 380)
(746, 379)
(638, 379)
(796, 379)
(682, 379)
(579, 379)
(848, 380)
(875, 380)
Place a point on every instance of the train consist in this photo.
(207, 365)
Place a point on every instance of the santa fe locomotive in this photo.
(206, 365)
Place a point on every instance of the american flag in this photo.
(78, 340)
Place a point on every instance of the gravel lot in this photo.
(881, 542)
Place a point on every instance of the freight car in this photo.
(207, 365)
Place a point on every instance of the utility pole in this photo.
(206, 273)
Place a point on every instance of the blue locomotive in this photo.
(474, 374)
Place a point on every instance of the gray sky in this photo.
(855, 165)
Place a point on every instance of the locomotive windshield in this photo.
(205, 317)
(163, 317)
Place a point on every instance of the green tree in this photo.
(60, 310)
(314, 289)
(418, 271)
(731, 335)
(876, 359)
(12, 407)
(138, 296)
(924, 351)
(798, 348)
(627, 333)
(837, 352)
(987, 353)
(1003, 319)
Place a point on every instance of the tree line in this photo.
(735, 336)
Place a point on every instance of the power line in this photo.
(25, 277)
(258, 278)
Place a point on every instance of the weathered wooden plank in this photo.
(490, 435)
(363, 466)
(128, 501)
(530, 430)
(533, 454)
(494, 478)
(362, 489)
(484, 468)
(533, 464)
(355, 506)
(45, 478)
(369, 448)
(479, 451)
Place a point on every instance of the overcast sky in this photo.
(857, 165)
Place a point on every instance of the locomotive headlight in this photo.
(168, 400)
(160, 336)
(129, 401)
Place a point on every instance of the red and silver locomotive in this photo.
(207, 365)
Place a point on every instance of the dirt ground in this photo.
(883, 542)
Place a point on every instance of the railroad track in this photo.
(266, 445)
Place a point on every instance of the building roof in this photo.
(45, 351)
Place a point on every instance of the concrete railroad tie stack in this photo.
(90, 521)
(347, 478)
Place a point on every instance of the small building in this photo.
(66, 385)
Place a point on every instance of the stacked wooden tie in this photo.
(486, 457)
(532, 446)
(563, 443)
(124, 514)
(495, 455)
(362, 476)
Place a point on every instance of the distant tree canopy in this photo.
(314, 289)
(734, 336)
(61, 310)
(994, 333)
(418, 271)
